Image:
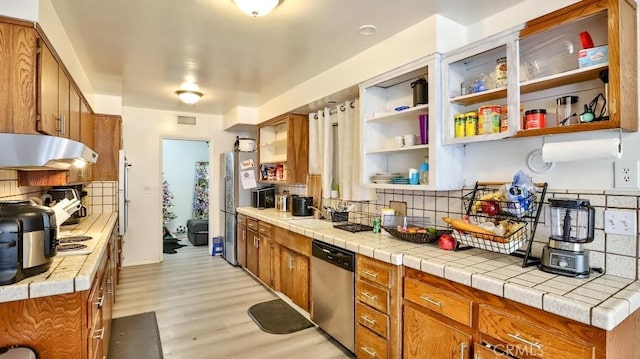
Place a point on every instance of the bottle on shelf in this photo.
(424, 173)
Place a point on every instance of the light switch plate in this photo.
(620, 222)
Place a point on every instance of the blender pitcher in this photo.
(572, 220)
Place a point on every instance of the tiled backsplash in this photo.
(617, 254)
(9, 189)
(102, 196)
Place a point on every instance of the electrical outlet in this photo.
(620, 222)
(625, 174)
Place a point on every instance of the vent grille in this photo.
(187, 120)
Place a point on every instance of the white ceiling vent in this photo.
(187, 120)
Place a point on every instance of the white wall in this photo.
(23, 9)
(404, 47)
(143, 131)
(179, 159)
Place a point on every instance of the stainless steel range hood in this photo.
(40, 152)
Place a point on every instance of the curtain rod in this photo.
(331, 112)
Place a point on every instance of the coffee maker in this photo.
(572, 223)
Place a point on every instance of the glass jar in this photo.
(501, 72)
(424, 173)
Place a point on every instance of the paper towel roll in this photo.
(604, 149)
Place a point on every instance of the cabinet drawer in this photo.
(372, 319)
(373, 296)
(374, 271)
(242, 219)
(265, 229)
(529, 337)
(294, 241)
(252, 223)
(440, 301)
(369, 345)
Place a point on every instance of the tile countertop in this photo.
(67, 274)
(601, 300)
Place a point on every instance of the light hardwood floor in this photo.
(201, 305)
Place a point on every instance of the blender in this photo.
(572, 222)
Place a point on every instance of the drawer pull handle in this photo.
(99, 336)
(369, 351)
(463, 348)
(527, 342)
(431, 301)
(100, 302)
(369, 296)
(368, 320)
(370, 274)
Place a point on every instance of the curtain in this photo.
(349, 147)
(320, 148)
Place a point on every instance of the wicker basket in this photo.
(498, 244)
(416, 237)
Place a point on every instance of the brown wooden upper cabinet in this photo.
(283, 149)
(543, 41)
(17, 77)
(107, 142)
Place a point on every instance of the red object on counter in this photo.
(586, 40)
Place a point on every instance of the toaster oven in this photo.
(264, 197)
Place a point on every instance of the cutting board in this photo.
(314, 189)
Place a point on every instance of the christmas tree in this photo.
(167, 203)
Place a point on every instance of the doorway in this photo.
(185, 192)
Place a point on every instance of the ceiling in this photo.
(143, 50)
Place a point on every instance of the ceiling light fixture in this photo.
(257, 7)
(367, 30)
(188, 96)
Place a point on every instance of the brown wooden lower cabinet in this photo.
(241, 240)
(443, 319)
(294, 277)
(72, 325)
(431, 338)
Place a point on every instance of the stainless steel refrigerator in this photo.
(240, 175)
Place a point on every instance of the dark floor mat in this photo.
(135, 336)
(278, 317)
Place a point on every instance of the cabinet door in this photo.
(241, 240)
(252, 251)
(86, 125)
(17, 78)
(63, 104)
(74, 114)
(482, 352)
(49, 121)
(264, 260)
(107, 133)
(426, 337)
(294, 277)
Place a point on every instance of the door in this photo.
(241, 244)
(229, 252)
(264, 260)
(439, 341)
(294, 277)
(252, 251)
(48, 92)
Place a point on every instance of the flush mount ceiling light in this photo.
(367, 30)
(257, 7)
(189, 96)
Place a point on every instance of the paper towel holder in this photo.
(536, 164)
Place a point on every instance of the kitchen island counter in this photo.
(602, 300)
(68, 273)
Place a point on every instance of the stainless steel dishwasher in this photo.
(332, 291)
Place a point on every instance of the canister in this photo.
(504, 118)
(471, 124)
(488, 119)
(501, 72)
(459, 123)
(535, 118)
